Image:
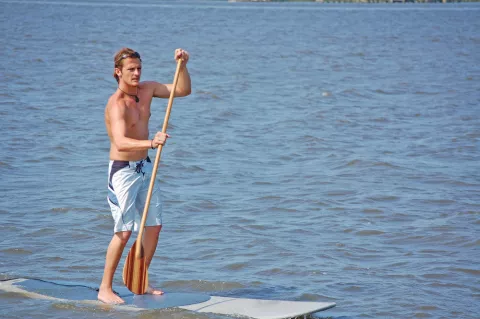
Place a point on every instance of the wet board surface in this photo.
(196, 302)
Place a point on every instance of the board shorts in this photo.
(128, 183)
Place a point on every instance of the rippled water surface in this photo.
(327, 152)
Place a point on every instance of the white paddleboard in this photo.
(253, 308)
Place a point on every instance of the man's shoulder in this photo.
(115, 102)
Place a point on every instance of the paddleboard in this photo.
(195, 302)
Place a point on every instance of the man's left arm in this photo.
(184, 85)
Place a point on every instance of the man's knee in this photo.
(123, 237)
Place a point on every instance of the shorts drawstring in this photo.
(138, 168)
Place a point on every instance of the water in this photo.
(327, 152)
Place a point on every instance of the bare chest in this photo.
(137, 114)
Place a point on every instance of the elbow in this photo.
(121, 147)
(183, 92)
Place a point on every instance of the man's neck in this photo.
(128, 89)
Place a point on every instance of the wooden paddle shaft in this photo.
(157, 160)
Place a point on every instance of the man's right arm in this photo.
(118, 126)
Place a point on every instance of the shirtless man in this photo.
(126, 117)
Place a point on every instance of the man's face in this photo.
(130, 72)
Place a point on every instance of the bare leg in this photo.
(150, 240)
(114, 253)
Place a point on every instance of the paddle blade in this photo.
(135, 272)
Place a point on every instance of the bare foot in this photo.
(107, 296)
(154, 291)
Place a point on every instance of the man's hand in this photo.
(182, 54)
(159, 139)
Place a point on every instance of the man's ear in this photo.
(118, 72)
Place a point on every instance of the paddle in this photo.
(135, 272)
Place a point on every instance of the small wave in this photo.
(7, 95)
(361, 54)
(182, 153)
(236, 266)
(386, 198)
(427, 308)
(372, 211)
(432, 251)
(256, 227)
(466, 118)
(381, 120)
(306, 52)
(340, 193)
(435, 276)
(422, 315)
(80, 267)
(195, 168)
(426, 93)
(272, 271)
(16, 251)
(55, 121)
(312, 139)
(380, 91)
(474, 272)
(353, 288)
(61, 149)
(207, 95)
(281, 209)
(32, 108)
(28, 89)
(354, 162)
(201, 285)
(262, 183)
(369, 232)
(228, 114)
(54, 259)
(353, 93)
(313, 297)
(268, 198)
(439, 201)
(43, 232)
(474, 243)
(385, 164)
(206, 204)
(398, 264)
(343, 121)
(60, 209)
(11, 76)
(5, 165)
(203, 240)
(84, 309)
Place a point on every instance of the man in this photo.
(126, 118)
